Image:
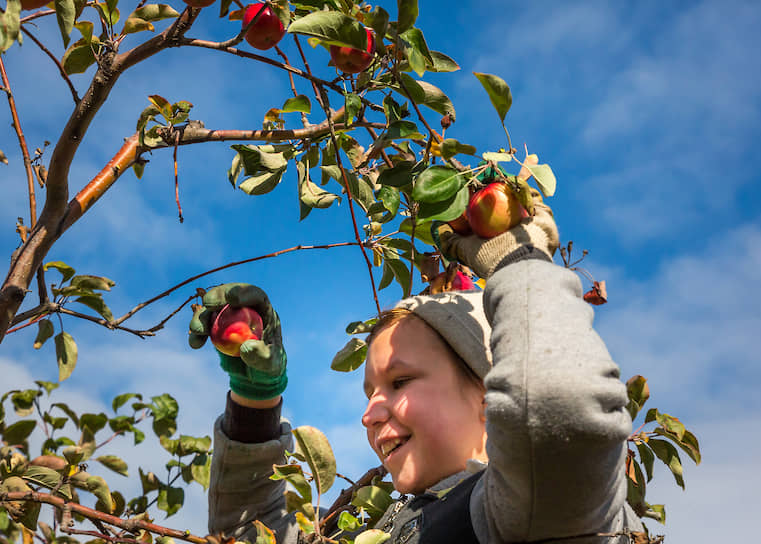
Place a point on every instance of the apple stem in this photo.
(509, 142)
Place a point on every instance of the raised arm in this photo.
(249, 437)
(556, 421)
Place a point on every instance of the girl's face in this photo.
(423, 419)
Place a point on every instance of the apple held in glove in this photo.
(353, 61)
(268, 28)
(233, 326)
(494, 210)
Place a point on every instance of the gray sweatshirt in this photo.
(556, 424)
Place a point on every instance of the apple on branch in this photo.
(494, 210)
(233, 326)
(268, 29)
(351, 60)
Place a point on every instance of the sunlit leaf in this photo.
(115, 463)
(45, 330)
(445, 210)
(66, 354)
(294, 475)
(451, 147)
(332, 28)
(667, 453)
(314, 446)
(544, 177)
(408, 12)
(65, 12)
(498, 91)
(170, 500)
(297, 103)
(351, 356)
(66, 271)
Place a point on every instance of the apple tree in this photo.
(380, 145)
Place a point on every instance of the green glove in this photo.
(259, 372)
(484, 256)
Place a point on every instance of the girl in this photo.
(499, 414)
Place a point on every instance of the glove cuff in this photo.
(254, 384)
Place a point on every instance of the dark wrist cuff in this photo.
(251, 425)
(526, 251)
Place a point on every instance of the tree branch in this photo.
(63, 73)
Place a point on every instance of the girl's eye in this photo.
(397, 383)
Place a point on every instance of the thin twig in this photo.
(350, 198)
(22, 144)
(223, 267)
(304, 120)
(64, 75)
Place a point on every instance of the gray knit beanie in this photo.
(458, 316)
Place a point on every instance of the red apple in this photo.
(353, 61)
(33, 4)
(268, 28)
(461, 225)
(460, 282)
(199, 3)
(493, 210)
(233, 326)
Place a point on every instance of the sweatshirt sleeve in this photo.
(240, 490)
(556, 418)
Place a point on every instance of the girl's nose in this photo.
(376, 411)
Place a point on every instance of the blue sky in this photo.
(649, 116)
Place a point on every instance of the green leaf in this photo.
(65, 12)
(78, 58)
(261, 158)
(23, 401)
(647, 458)
(422, 230)
(191, 444)
(108, 11)
(18, 432)
(164, 407)
(688, 443)
(372, 498)
(262, 183)
(26, 512)
(351, 356)
(390, 198)
(297, 103)
(47, 386)
(155, 12)
(401, 273)
(310, 194)
(638, 392)
(445, 210)
(10, 25)
(352, 105)
(134, 25)
(66, 271)
(68, 411)
(400, 130)
(294, 475)
(493, 156)
(95, 302)
(163, 105)
(314, 446)
(372, 536)
(397, 176)
(498, 91)
(378, 21)
(114, 463)
(66, 354)
(416, 50)
(451, 147)
(46, 477)
(408, 12)
(148, 481)
(120, 400)
(85, 28)
(544, 177)
(331, 28)
(347, 522)
(635, 494)
(656, 512)
(443, 63)
(667, 453)
(429, 95)
(437, 183)
(200, 469)
(170, 500)
(361, 327)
